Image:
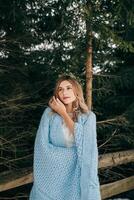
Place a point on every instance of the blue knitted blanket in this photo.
(65, 173)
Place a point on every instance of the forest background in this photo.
(39, 40)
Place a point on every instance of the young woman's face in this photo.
(66, 93)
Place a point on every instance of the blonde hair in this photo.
(79, 104)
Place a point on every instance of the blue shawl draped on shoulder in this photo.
(65, 173)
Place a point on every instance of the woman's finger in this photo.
(55, 101)
(58, 100)
(50, 101)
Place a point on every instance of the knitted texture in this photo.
(61, 172)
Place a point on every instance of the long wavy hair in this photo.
(78, 105)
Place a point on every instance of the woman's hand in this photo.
(57, 105)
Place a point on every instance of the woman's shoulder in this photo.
(48, 111)
(88, 115)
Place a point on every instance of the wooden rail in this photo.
(10, 180)
(117, 187)
(117, 158)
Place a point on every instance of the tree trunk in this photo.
(89, 73)
(89, 69)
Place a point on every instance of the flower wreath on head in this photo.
(71, 75)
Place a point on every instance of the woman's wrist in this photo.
(63, 114)
(69, 122)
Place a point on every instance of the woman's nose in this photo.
(64, 92)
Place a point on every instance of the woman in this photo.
(65, 151)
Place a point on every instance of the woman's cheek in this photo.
(59, 96)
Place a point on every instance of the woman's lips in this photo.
(66, 97)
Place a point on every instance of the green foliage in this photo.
(40, 40)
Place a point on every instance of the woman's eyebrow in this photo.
(66, 86)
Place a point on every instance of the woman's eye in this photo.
(60, 89)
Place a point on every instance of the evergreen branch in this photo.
(20, 106)
(120, 118)
(106, 75)
(108, 139)
(15, 197)
(14, 160)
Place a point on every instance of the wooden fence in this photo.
(10, 180)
